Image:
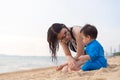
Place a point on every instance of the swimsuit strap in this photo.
(71, 32)
(72, 44)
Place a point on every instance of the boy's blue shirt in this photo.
(96, 53)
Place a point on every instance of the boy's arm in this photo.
(84, 58)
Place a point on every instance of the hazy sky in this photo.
(24, 23)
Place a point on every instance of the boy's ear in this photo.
(88, 36)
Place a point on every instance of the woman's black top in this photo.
(72, 44)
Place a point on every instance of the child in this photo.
(94, 58)
(94, 51)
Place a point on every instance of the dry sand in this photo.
(110, 73)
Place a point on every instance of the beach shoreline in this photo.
(27, 70)
(49, 73)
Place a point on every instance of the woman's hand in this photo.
(71, 62)
(76, 58)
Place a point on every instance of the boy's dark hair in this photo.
(89, 30)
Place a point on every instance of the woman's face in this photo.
(64, 35)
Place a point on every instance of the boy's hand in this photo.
(84, 58)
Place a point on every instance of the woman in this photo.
(69, 39)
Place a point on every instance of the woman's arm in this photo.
(80, 45)
(71, 61)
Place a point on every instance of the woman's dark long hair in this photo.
(52, 38)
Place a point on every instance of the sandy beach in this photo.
(110, 73)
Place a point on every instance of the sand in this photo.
(110, 73)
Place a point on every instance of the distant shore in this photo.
(49, 73)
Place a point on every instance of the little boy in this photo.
(94, 58)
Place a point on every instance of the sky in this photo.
(24, 23)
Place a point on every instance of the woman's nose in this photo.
(67, 37)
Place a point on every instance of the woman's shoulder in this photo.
(76, 28)
(75, 32)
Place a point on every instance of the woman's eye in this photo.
(64, 36)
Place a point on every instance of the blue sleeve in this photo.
(93, 52)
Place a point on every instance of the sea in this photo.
(11, 63)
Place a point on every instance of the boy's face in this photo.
(85, 39)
